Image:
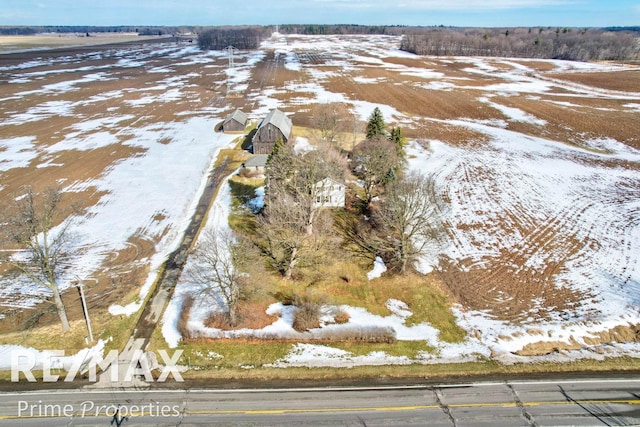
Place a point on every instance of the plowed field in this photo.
(537, 159)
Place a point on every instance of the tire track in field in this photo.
(512, 271)
(617, 231)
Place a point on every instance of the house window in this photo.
(323, 199)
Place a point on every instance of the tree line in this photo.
(588, 44)
(238, 37)
(319, 29)
(64, 29)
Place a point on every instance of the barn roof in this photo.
(239, 116)
(258, 160)
(279, 120)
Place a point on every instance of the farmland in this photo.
(538, 161)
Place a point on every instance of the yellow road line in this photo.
(338, 410)
(407, 408)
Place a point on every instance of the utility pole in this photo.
(85, 309)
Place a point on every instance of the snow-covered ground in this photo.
(150, 195)
(537, 177)
(487, 338)
(537, 180)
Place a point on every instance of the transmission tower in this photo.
(230, 51)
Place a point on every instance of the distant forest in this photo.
(579, 44)
(316, 29)
(63, 29)
(244, 38)
(588, 44)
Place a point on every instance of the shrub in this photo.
(308, 311)
(341, 317)
(306, 316)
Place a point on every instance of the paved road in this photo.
(612, 402)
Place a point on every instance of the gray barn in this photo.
(236, 122)
(274, 127)
(256, 163)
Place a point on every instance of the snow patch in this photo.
(379, 268)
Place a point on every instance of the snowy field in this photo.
(148, 196)
(544, 235)
(548, 202)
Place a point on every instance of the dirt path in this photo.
(165, 285)
(169, 276)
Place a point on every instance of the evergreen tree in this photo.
(399, 141)
(280, 161)
(277, 147)
(376, 125)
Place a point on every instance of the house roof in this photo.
(239, 116)
(328, 181)
(279, 120)
(258, 160)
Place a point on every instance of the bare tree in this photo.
(220, 38)
(359, 235)
(310, 178)
(297, 179)
(43, 253)
(281, 232)
(287, 225)
(376, 163)
(218, 266)
(410, 218)
(558, 43)
(331, 121)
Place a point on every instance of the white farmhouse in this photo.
(329, 193)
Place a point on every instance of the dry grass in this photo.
(234, 157)
(251, 315)
(207, 368)
(341, 317)
(440, 372)
(342, 280)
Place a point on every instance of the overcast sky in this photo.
(481, 13)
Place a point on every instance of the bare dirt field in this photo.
(63, 105)
(537, 159)
(56, 41)
(626, 81)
